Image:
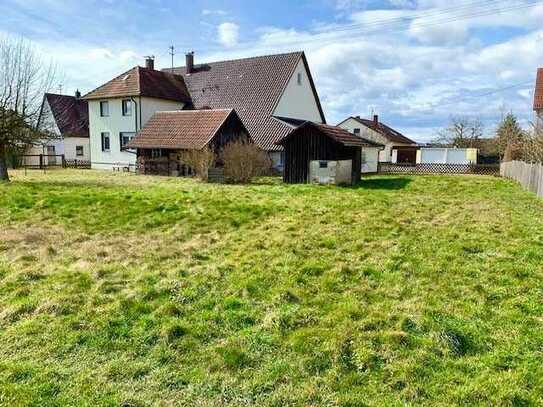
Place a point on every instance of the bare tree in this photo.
(199, 160)
(462, 132)
(24, 78)
(243, 161)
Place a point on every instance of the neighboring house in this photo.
(265, 92)
(66, 119)
(122, 106)
(444, 155)
(168, 134)
(538, 99)
(320, 142)
(398, 148)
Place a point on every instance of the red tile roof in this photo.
(389, 133)
(251, 86)
(538, 94)
(336, 133)
(182, 129)
(70, 114)
(140, 81)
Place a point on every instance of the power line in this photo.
(390, 25)
(492, 92)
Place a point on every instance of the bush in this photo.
(243, 161)
(199, 160)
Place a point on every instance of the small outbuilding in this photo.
(161, 142)
(320, 142)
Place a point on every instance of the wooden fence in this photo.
(390, 168)
(530, 176)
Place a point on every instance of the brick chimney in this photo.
(77, 94)
(376, 119)
(150, 62)
(189, 64)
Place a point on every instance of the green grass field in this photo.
(127, 290)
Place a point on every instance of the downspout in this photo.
(135, 121)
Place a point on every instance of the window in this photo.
(299, 78)
(79, 151)
(156, 153)
(125, 138)
(363, 158)
(105, 142)
(104, 109)
(356, 132)
(323, 164)
(127, 107)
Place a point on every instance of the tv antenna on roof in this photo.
(172, 53)
(60, 88)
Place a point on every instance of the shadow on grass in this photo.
(394, 183)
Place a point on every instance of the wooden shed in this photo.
(313, 141)
(166, 135)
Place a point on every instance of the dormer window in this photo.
(104, 109)
(127, 107)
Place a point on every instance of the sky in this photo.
(416, 63)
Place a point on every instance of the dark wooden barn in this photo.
(314, 141)
(166, 135)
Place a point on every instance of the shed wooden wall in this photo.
(309, 144)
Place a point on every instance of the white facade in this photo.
(115, 125)
(385, 155)
(447, 156)
(59, 145)
(298, 100)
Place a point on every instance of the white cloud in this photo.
(218, 12)
(228, 34)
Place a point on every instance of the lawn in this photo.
(118, 289)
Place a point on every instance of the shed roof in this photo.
(336, 133)
(182, 129)
(538, 94)
(251, 86)
(140, 81)
(70, 114)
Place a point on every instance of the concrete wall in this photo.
(116, 123)
(335, 172)
(370, 159)
(298, 100)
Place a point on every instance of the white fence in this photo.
(530, 176)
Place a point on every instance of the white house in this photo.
(272, 94)
(398, 148)
(66, 119)
(122, 106)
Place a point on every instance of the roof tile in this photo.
(251, 86)
(183, 129)
(71, 114)
(140, 81)
(388, 132)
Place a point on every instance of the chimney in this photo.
(376, 119)
(77, 94)
(189, 62)
(150, 62)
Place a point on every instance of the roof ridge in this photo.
(238, 59)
